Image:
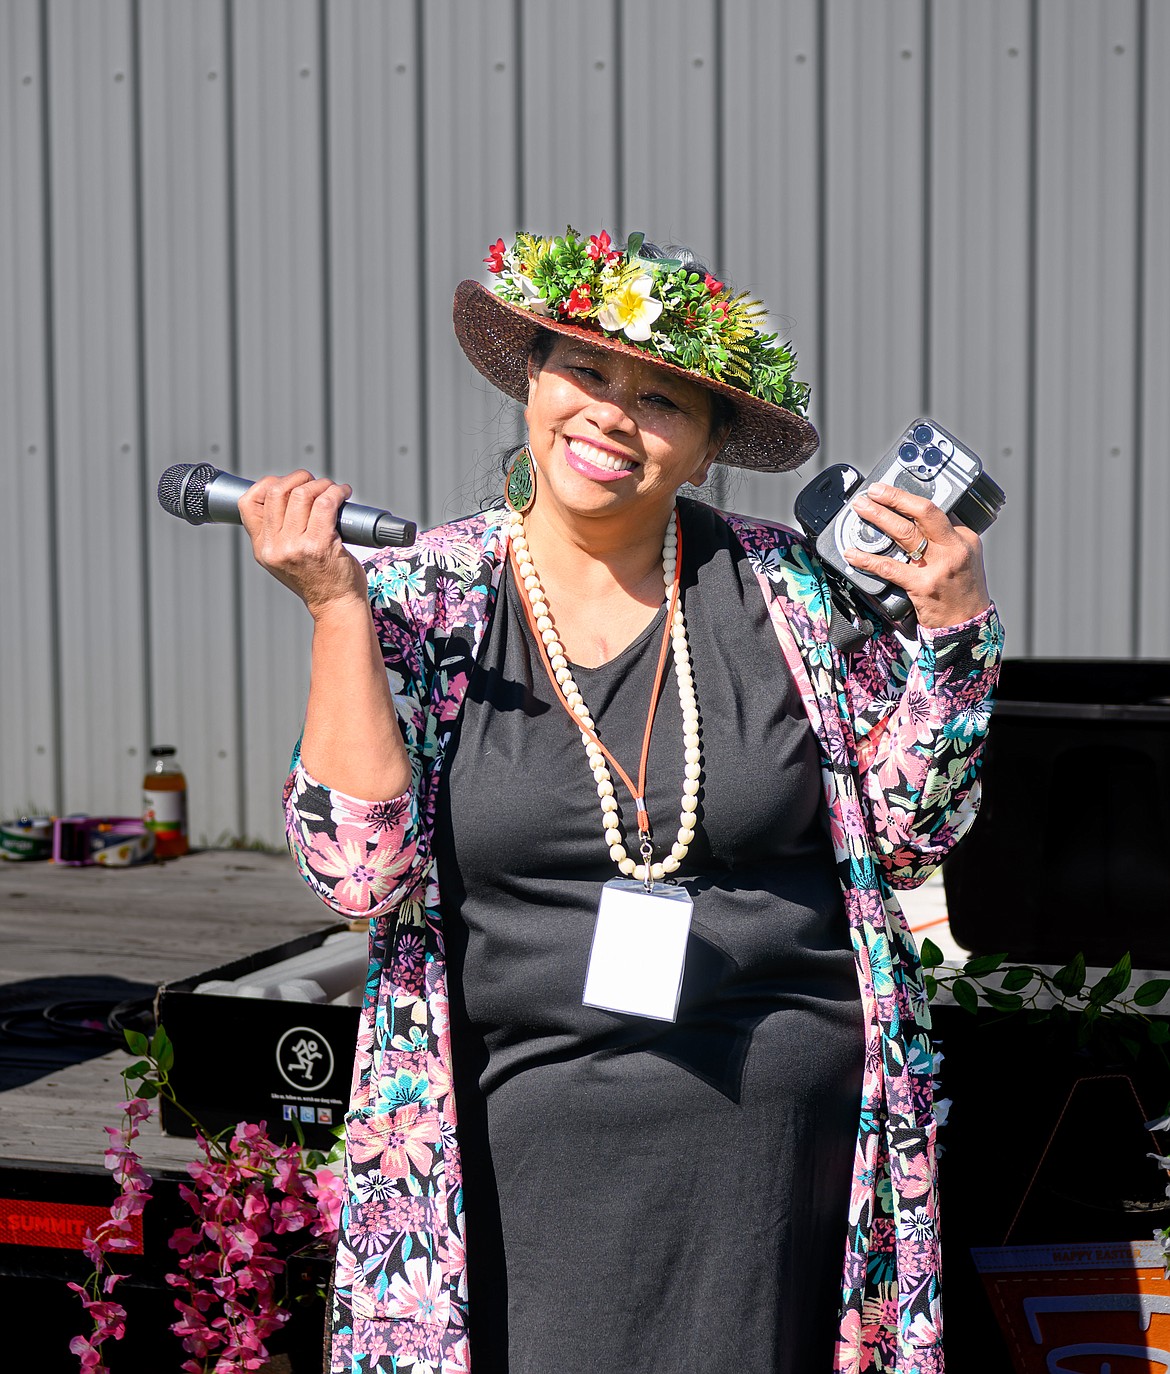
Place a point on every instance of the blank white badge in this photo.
(639, 949)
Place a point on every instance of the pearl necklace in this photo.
(646, 871)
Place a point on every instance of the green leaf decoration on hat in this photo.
(657, 305)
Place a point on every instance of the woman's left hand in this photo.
(946, 585)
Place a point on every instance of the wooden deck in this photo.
(64, 930)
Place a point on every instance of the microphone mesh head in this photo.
(168, 487)
(190, 503)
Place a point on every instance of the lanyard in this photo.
(637, 793)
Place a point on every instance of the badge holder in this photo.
(639, 947)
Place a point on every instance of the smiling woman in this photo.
(637, 828)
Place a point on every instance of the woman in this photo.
(516, 747)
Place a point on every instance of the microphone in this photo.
(201, 495)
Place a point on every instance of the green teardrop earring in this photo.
(520, 483)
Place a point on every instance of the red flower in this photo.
(599, 246)
(712, 285)
(495, 257)
(579, 302)
(720, 308)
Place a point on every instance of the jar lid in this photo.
(162, 751)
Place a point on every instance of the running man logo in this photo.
(304, 1059)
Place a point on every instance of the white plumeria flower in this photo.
(533, 300)
(631, 310)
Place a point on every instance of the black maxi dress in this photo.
(643, 1195)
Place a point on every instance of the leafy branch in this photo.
(1110, 1001)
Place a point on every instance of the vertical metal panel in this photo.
(470, 134)
(1085, 344)
(278, 149)
(671, 122)
(979, 300)
(28, 743)
(874, 64)
(771, 234)
(100, 510)
(194, 582)
(376, 291)
(1154, 507)
(570, 88)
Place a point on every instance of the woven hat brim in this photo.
(498, 337)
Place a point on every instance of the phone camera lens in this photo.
(932, 456)
(908, 453)
(923, 434)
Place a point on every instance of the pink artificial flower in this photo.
(328, 1191)
(712, 285)
(495, 257)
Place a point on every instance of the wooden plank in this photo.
(978, 333)
(281, 351)
(375, 251)
(1085, 428)
(28, 683)
(874, 168)
(471, 198)
(771, 223)
(186, 246)
(101, 487)
(1153, 570)
(57, 923)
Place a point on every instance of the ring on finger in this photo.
(915, 555)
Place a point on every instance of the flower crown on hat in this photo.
(660, 305)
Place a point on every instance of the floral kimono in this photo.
(899, 740)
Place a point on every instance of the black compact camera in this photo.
(926, 461)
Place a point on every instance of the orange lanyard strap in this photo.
(637, 793)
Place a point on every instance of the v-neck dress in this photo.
(642, 1195)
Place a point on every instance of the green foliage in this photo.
(1109, 1003)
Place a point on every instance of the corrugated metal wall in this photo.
(230, 230)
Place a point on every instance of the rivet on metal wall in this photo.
(1119, 48)
(132, 750)
(119, 76)
(500, 67)
(211, 76)
(125, 448)
(1013, 52)
(32, 448)
(26, 80)
(40, 748)
(906, 54)
(308, 448)
(221, 753)
(400, 68)
(215, 448)
(1115, 452)
(403, 448)
(599, 65)
(697, 62)
(801, 57)
(1007, 452)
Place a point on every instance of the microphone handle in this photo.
(356, 524)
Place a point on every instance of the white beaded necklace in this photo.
(646, 871)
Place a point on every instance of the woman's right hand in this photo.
(292, 522)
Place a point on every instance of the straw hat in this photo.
(637, 302)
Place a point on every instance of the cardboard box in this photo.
(1065, 1309)
(253, 1058)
